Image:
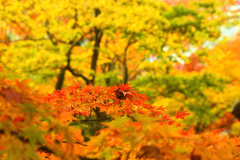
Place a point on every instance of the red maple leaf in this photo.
(181, 114)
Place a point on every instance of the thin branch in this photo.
(76, 143)
(103, 119)
(56, 40)
(51, 37)
(75, 19)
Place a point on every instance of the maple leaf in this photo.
(179, 124)
(181, 114)
(125, 87)
(218, 131)
(75, 86)
(121, 91)
(166, 117)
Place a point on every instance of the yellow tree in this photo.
(68, 37)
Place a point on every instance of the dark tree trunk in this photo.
(125, 76)
(60, 80)
(125, 68)
(97, 39)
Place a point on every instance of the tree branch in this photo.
(74, 72)
(103, 119)
(55, 40)
(68, 67)
(98, 37)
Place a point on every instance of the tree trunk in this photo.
(125, 76)
(97, 39)
(60, 80)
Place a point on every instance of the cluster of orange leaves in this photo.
(33, 127)
(118, 100)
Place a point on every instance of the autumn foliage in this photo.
(119, 80)
(37, 127)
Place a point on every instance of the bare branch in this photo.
(75, 73)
